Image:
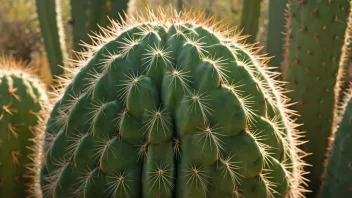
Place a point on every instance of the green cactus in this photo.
(86, 15)
(276, 27)
(315, 39)
(79, 9)
(179, 5)
(119, 7)
(23, 102)
(338, 176)
(250, 19)
(170, 106)
(49, 15)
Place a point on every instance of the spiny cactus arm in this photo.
(315, 37)
(23, 104)
(337, 180)
(49, 15)
(79, 9)
(250, 19)
(276, 28)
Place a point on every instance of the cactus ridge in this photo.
(171, 105)
(23, 104)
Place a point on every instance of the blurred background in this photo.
(20, 33)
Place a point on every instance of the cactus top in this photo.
(171, 105)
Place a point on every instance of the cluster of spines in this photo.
(265, 80)
(31, 125)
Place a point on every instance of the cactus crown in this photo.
(23, 103)
(171, 104)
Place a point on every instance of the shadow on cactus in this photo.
(23, 103)
(171, 105)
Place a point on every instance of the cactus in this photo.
(314, 45)
(171, 105)
(338, 176)
(49, 15)
(250, 18)
(179, 5)
(86, 15)
(79, 9)
(119, 7)
(276, 27)
(23, 102)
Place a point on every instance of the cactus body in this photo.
(49, 15)
(169, 106)
(315, 37)
(22, 102)
(338, 176)
(250, 18)
(276, 29)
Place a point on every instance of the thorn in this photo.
(12, 92)
(14, 155)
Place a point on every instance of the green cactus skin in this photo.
(250, 19)
(276, 29)
(86, 15)
(315, 40)
(49, 15)
(119, 7)
(179, 5)
(79, 14)
(23, 102)
(170, 106)
(338, 176)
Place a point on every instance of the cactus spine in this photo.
(171, 106)
(23, 102)
(315, 40)
(276, 27)
(250, 18)
(49, 15)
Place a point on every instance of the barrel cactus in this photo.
(171, 105)
(23, 102)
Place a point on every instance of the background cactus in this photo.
(87, 15)
(314, 46)
(23, 102)
(338, 176)
(171, 106)
(276, 27)
(250, 19)
(49, 15)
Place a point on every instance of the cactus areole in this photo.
(171, 105)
